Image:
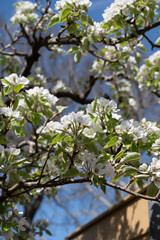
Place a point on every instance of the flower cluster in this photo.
(94, 33)
(149, 73)
(139, 131)
(76, 4)
(42, 93)
(15, 218)
(116, 8)
(25, 13)
(8, 112)
(13, 80)
(153, 170)
(93, 163)
(102, 105)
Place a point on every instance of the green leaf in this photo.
(15, 227)
(18, 131)
(130, 156)
(29, 101)
(15, 103)
(2, 208)
(5, 81)
(8, 90)
(77, 57)
(48, 232)
(86, 43)
(119, 154)
(152, 189)
(158, 41)
(91, 147)
(6, 226)
(117, 176)
(14, 177)
(86, 19)
(111, 143)
(73, 172)
(54, 20)
(72, 50)
(90, 21)
(95, 180)
(24, 174)
(18, 87)
(85, 8)
(65, 13)
(56, 138)
(95, 104)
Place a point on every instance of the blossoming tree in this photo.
(98, 145)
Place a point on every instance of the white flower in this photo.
(87, 157)
(156, 144)
(143, 168)
(14, 80)
(113, 106)
(104, 169)
(116, 8)
(44, 93)
(8, 112)
(133, 103)
(13, 151)
(22, 224)
(103, 102)
(89, 132)
(124, 86)
(51, 127)
(79, 117)
(62, 3)
(155, 165)
(10, 214)
(58, 86)
(24, 13)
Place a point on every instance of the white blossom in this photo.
(89, 132)
(78, 117)
(8, 112)
(13, 151)
(14, 80)
(143, 168)
(58, 86)
(51, 127)
(22, 224)
(155, 165)
(62, 3)
(25, 12)
(116, 8)
(44, 93)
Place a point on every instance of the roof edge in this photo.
(127, 199)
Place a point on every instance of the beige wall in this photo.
(129, 220)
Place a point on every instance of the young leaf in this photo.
(54, 20)
(152, 189)
(72, 50)
(112, 142)
(65, 13)
(77, 57)
(73, 172)
(130, 156)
